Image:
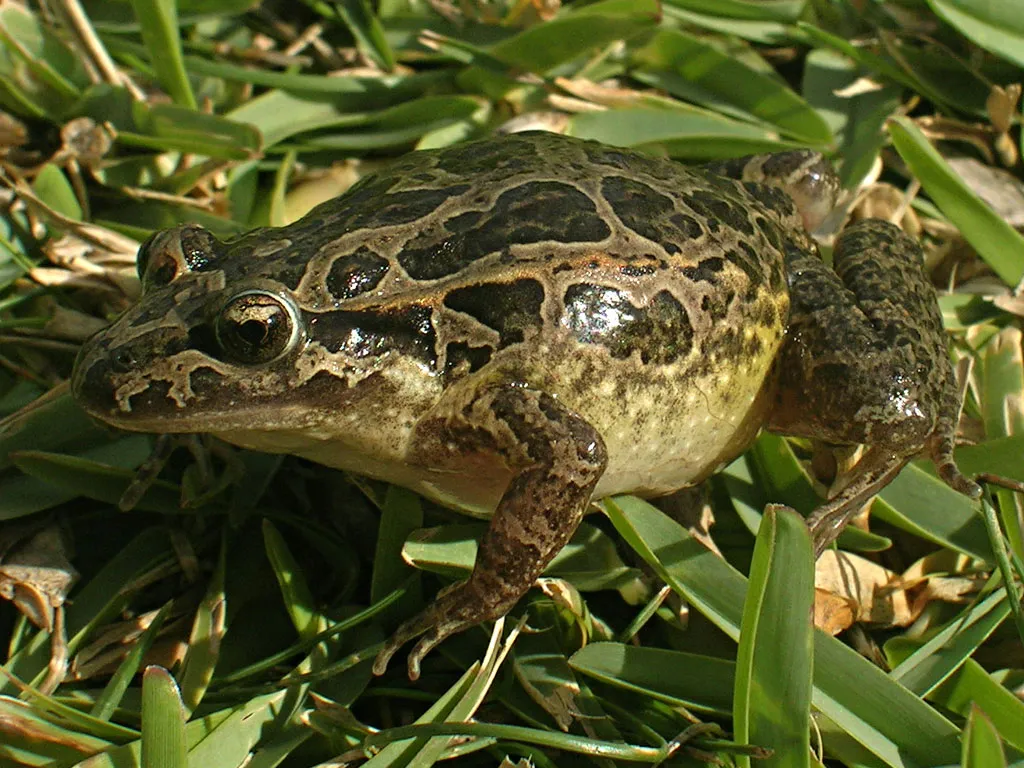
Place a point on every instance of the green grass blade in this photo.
(774, 663)
(995, 25)
(690, 680)
(110, 698)
(368, 32)
(994, 239)
(205, 639)
(972, 685)
(295, 592)
(712, 75)
(158, 20)
(573, 33)
(163, 721)
(882, 715)
(401, 514)
(944, 652)
(982, 747)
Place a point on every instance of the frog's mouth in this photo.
(166, 385)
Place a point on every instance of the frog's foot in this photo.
(873, 472)
(557, 458)
(460, 607)
(940, 449)
(866, 361)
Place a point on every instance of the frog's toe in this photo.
(945, 464)
(402, 635)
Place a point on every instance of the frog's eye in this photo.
(154, 264)
(168, 253)
(256, 327)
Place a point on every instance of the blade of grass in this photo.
(205, 639)
(109, 699)
(982, 747)
(994, 239)
(774, 662)
(158, 21)
(876, 711)
(163, 721)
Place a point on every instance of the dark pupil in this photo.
(254, 332)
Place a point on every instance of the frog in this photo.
(518, 326)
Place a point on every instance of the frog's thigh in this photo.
(866, 362)
(557, 458)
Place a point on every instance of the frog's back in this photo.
(648, 297)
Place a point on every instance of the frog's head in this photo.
(228, 338)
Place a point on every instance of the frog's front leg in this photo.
(866, 361)
(556, 458)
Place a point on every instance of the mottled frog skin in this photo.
(520, 325)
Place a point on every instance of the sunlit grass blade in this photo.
(158, 20)
(994, 239)
(879, 713)
(774, 663)
(711, 74)
(163, 721)
(972, 685)
(982, 746)
(945, 650)
(995, 25)
(701, 683)
(574, 32)
(204, 642)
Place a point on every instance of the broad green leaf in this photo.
(701, 683)
(168, 127)
(686, 133)
(717, 77)
(163, 721)
(96, 480)
(982, 747)
(918, 501)
(995, 25)
(40, 76)
(774, 663)
(973, 685)
(158, 20)
(785, 11)
(994, 240)
(573, 33)
(54, 189)
(860, 698)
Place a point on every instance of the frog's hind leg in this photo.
(866, 361)
(556, 458)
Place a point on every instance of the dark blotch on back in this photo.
(772, 198)
(715, 208)
(373, 333)
(649, 213)
(356, 273)
(508, 308)
(538, 211)
(661, 331)
(511, 153)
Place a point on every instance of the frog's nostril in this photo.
(123, 360)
